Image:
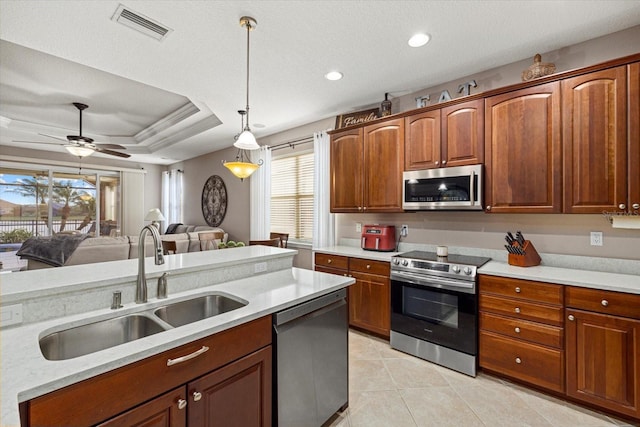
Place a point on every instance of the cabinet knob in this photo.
(517, 310)
(329, 261)
(571, 317)
(517, 290)
(636, 206)
(444, 162)
(182, 403)
(364, 208)
(604, 303)
(622, 206)
(488, 208)
(437, 162)
(359, 208)
(518, 360)
(197, 396)
(368, 267)
(517, 330)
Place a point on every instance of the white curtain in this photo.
(260, 199)
(172, 203)
(323, 219)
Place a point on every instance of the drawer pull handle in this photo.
(517, 310)
(518, 360)
(329, 261)
(571, 317)
(604, 303)
(517, 290)
(517, 330)
(197, 396)
(177, 360)
(182, 403)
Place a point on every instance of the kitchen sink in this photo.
(85, 339)
(189, 311)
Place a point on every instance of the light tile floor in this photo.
(388, 388)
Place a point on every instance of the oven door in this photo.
(435, 310)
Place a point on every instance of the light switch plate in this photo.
(596, 238)
(358, 227)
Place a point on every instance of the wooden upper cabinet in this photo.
(384, 164)
(633, 147)
(422, 143)
(451, 136)
(523, 168)
(463, 134)
(347, 162)
(595, 141)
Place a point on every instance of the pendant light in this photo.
(242, 167)
(246, 140)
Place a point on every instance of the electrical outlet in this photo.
(260, 267)
(404, 230)
(359, 227)
(596, 238)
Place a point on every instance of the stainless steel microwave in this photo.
(457, 188)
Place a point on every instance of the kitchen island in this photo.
(59, 298)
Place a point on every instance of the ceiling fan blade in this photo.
(110, 146)
(38, 142)
(112, 153)
(54, 137)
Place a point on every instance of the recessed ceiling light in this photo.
(418, 40)
(333, 75)
(259, 126)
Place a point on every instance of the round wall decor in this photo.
(214, 201)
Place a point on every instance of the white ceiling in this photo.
(176, 99)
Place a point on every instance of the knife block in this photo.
(529, 259)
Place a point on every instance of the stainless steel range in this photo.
(434, 308)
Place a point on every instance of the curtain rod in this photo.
(292, 144)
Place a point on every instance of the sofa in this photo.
(104, 249)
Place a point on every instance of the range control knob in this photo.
(405, 262)
(467, 271)
(396, 261)
(455, 269)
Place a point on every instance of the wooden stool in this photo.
(169, 246)
(208, 239)
(271, 242)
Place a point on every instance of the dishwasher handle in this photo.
(306, 308)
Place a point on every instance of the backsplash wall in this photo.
(554, 233)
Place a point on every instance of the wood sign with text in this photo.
(357, 117)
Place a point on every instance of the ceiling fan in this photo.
(82, 146)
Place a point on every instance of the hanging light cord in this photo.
(248, 24)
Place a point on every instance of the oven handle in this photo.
(471, 192)
(435, 282)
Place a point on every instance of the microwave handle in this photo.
(471, 192)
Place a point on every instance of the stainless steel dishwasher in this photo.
(311, 371)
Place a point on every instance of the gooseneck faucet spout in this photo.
(141, 283)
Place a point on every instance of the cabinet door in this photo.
(633, 142)
(163, 411)
(595, 141)
(237, 395)
(603, 360)
(523, 151)
(422, 141)
(384, 164)
(346, 168)
(463, 134)
(369, 303)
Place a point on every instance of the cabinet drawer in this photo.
(607, 302)
(368, 266)
(536, 333)
(534, 364)
(333, 261)
(146, 379)
(525, 289)
(519, 309)
(331, 270)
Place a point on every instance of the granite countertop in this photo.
(26, 374)
(604, 280)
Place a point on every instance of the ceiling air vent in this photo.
(141, 23)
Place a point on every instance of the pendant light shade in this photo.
(79, 150)
(241, 170)
(246, 141)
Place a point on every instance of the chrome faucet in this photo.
(141, 283)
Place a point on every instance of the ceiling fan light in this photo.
(246, 141)
(79, 150)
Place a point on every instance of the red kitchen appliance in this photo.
(380, 238)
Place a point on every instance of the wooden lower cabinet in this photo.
(370, 297)
(228, 384)
(603, 349)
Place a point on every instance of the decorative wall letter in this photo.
(465, 88)
(444, 96)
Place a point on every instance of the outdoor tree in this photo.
(65, 193)
(88, 203)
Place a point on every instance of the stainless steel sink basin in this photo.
(92, 337)
(192, 310)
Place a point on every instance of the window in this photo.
(292, 196)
